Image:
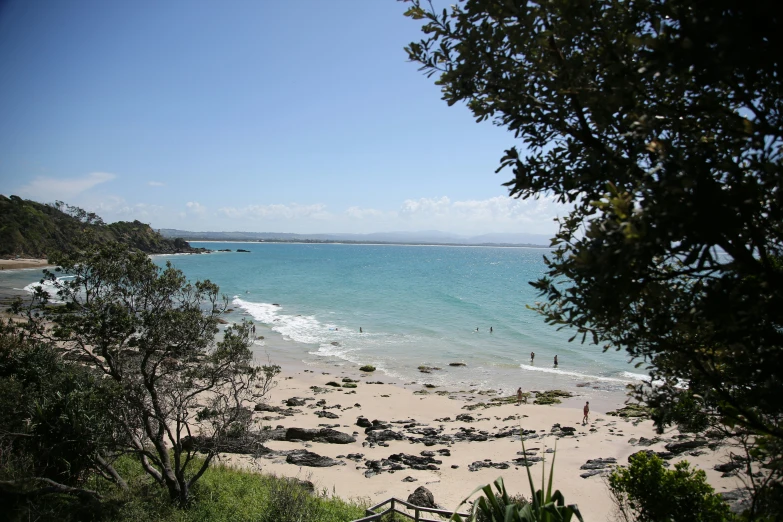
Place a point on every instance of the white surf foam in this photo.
(48, 286)
(584, 375)
(299, 328)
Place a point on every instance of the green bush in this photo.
(647, 492)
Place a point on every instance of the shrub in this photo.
(367, 368)
(647, 492)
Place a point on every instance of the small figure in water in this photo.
(490, 329)
(555, 360)
(532, 356)
(477, 329)
(360, 330)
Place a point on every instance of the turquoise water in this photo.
(416, 305)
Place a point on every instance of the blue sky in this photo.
(244, 115)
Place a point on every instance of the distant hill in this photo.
(430, 237)
(31, 229)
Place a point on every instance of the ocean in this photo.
(416, 306)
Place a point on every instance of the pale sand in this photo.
(449, 486)
(11, 264)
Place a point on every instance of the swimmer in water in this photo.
(532, 356)
(477, 329)
(555, 360)
(490, 329)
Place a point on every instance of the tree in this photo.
(659, 124)
(153, 335)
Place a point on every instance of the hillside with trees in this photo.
(37, 230)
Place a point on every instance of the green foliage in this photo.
(151, 335)
(545, 506)
(31, 229)
(659, 125)
(647, 492)
(53, 415)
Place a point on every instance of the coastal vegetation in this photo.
(659, 125)
(150, 369)
(647, 492)
(36, 230)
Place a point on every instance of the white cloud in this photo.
(498, 214)
(471, 217)
(50, 189)
(156, 184)
(274, 212)
(194, 207)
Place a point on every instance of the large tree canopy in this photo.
(659, 122)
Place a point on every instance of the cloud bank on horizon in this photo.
(473, 216)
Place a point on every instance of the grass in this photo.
(223, 494)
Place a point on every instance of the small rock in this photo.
(422, 497)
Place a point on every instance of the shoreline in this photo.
(472, 450)
(487, 440)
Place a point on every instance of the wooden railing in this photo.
(417, 516)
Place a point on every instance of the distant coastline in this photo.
(378, 243)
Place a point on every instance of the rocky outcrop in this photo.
(681, 447)
(598, 467)
(310, 459)
(325, 435)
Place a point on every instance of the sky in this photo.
(245, 115)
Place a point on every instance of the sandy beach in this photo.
(11, 264)
(483, 444)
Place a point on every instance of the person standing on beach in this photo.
(586, 419)
(555, 360)
(519, 396)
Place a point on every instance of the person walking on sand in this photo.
(519, 396)
(586, 418)
(555, 360)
